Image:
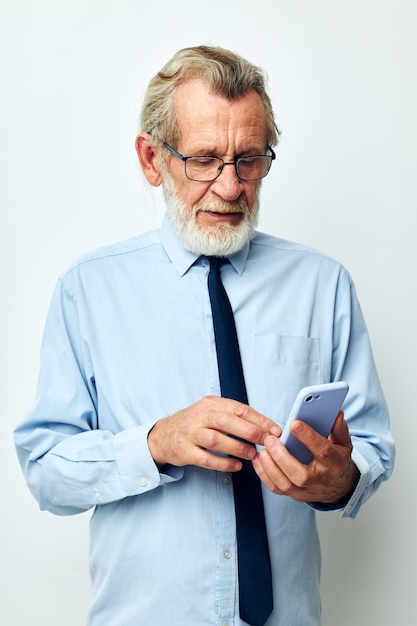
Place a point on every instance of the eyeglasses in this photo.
(205, 169)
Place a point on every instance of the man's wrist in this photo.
(341, 502)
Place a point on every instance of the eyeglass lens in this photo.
(209, 168)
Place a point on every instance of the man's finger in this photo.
(340, 431)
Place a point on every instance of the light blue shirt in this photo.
(129, 340)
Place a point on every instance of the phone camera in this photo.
(309, 399)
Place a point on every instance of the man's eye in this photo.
(249, 162)
(204, 161)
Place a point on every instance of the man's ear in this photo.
(147, 155)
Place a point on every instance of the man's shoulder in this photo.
(122, 250)
(281, 259)
(269, 244)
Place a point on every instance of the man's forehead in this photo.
(198, 108)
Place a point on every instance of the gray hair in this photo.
(225, 73)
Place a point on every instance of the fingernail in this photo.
(270, 442)
(297, 427)
(251, 453)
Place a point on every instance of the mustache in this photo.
(221, 206)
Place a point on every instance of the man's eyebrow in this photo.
(206, 151)
(213, 151)
(252, 152)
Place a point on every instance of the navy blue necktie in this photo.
(254, 567)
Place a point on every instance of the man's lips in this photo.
(222, 213)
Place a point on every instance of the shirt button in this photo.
(227, 554)
(226, 624)
(226, 479)
(143, 481)
(97, 494)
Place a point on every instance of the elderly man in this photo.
(164, 413)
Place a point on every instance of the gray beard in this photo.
(223, 239)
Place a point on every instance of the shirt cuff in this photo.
(137, 469)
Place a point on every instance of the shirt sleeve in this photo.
(365, 408)
(69, 463)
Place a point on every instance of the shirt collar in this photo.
(183, 259)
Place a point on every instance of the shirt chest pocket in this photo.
(284, 364)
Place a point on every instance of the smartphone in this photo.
(318, 406)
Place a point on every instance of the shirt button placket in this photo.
(227, 540)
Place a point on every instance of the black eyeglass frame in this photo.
(235, 162)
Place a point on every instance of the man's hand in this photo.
(193, 435)
(328, 478)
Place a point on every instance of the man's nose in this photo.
(228, 185)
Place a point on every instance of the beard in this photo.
(221, 239)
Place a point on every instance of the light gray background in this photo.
(343, 82)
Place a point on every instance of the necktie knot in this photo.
(216, 262)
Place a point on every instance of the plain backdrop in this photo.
(342, 76)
